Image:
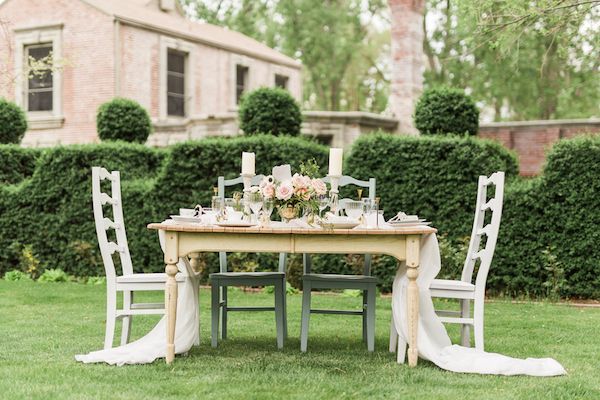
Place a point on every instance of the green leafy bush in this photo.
(270, 110)
(549, 237)
(16, 275)
(17, 163)
(442, 110)
(13, 122)
(54, 275)
(123, 119)
(53, 209)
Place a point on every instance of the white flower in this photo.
(254, 189)
(267, 180)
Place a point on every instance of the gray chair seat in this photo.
(340, 278)
(247, 275)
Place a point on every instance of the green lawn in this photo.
(42, 326)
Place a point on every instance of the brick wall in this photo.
(532, 139)
(88, 77)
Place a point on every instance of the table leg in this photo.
(171, 244)
(413, 245)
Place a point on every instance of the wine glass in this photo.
(354, 209)
(254, 201)
(267, 208)
(323, 204)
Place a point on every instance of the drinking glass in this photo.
(267, 208)
(217, 203)
(323, 204)
(370, 212)
(354, 209)
(254, 201)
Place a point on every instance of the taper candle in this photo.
(248, 163)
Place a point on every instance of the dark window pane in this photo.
(176, 62)
(175, 106)
(41, 79)
(39, 101)
(175, 84)
(241, 76)
(281, 81)
(38, 53)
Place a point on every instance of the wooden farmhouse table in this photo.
(183, 240)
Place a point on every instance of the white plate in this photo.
(181, 218)
(340, 225)
(410, 223)
(238, 224)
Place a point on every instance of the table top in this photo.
(191, 227)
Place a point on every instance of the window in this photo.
(176, 83)
(241, 80)
(281, 81)
(39, 92)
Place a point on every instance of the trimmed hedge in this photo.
(548, 242)
(123, 119)
(16, 163)
(443, 110)
(53, 210)
(270, 111)
(13, 122)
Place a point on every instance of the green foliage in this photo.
(96, 280)
(17, 163)
(270, 110)
(123, 119)
(343, 46)
(442, 110)
(16, 275)
(53, 209)
(54, 275)
(533, 59)
(13, 122)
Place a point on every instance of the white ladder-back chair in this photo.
(464, 290)
(128, 281)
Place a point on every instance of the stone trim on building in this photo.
(170, 43)
(32, 36)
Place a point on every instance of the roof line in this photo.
(193, 38)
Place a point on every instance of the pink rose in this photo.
(319, 187)
(284, 191)
(268, 190)
(299, 181)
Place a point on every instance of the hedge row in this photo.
(16, 163)
(548, 237)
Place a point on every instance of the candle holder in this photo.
(334, 204)
(247, 180)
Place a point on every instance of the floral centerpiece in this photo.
(299, 193)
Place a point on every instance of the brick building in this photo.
(185, 73)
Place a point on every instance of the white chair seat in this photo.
(148, 278)
(448, 284)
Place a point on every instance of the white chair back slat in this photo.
(348, 180)
(108, 248)
(222, 183)
(485, 254)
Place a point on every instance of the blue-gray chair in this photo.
(364, 282)
(223, 279)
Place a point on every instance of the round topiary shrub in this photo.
(13, 122)
(123, 119)
(443, 110)
(270, 110)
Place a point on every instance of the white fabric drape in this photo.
(433, 341)
(153, 345)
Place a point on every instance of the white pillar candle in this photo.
(248, 163)
(335, 161)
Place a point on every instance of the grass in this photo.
(42, 326)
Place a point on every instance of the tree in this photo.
(342, 52)
(522, 60)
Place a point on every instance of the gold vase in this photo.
(288, 212)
